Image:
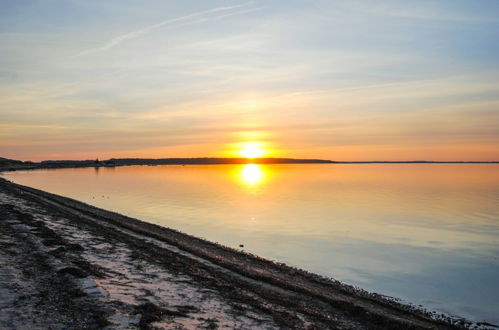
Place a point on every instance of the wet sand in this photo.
(67, 265)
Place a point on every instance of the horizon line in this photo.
(263, 158)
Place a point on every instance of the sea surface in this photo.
(424, 233)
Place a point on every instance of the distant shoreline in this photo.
(14, 165)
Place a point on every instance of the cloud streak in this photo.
(203, 15)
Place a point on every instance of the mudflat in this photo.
(67, 265)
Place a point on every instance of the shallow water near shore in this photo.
(425, 233)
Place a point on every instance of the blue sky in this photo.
(339, 80)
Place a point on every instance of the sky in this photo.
(340, 80)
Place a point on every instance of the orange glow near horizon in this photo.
(277, 148)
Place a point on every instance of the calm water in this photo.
(428, 234)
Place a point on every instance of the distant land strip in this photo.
(13, 165)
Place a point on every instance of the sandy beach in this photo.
(65, 264)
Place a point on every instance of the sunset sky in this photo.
(341, 80)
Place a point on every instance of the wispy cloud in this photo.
(194, 17)
(437, 11)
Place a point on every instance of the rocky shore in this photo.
(67, 265)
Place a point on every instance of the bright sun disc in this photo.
(252, 150)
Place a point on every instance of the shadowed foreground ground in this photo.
(67, 265)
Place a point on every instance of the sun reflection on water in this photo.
(252, 174)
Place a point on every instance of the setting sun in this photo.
(252, 150)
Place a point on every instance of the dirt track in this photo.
(65, 264)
